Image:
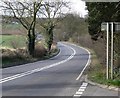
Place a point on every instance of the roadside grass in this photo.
(97, 72)
(20, 56)
(12, 41)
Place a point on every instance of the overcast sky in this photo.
(78, 6)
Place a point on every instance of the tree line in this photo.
(101, 12)
(72, 27)
(104, 12)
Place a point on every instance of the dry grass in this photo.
(12, 57)
(97, 70)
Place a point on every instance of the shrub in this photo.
(40, 51)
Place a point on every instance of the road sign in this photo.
(116, 26)
(110, 27)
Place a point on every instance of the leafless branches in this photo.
(28, 12)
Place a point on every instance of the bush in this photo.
(40, 51)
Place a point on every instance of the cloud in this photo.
(78, 6)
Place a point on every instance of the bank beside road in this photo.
(15, 57)
(95, 73)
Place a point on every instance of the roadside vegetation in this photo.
(97, 15)
(13, 47)
(26, 35)
(14, 57)
(96, 72)
(77, 31)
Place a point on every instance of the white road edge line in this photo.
(57, 54)
(39, 69)
(88, 62)
(53, 56)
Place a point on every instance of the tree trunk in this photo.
(31, 43)
(49, 39)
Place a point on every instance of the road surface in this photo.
(58, 76)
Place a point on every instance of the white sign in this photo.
(116, 26)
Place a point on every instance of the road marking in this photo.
(53, 56)
(76, 95)
(85, 84)
(81, 90)
(56, 55)
(79, 93)
(39, 69)
(88, 62)
(82, 87)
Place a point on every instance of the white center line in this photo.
(39, 69)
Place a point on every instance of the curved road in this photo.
(58, 76)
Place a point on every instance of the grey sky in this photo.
(78, 6)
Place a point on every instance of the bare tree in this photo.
(52, 12)
(26, 13)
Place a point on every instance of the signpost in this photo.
(110, 27)
(112, 50)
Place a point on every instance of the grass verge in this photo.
(11, 61)
(97, 72)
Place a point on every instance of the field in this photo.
(13, 36)
(13, 29)
(12, 41)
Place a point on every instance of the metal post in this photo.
(112, 50)
(107, 54)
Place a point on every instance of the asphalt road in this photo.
(58, 76)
